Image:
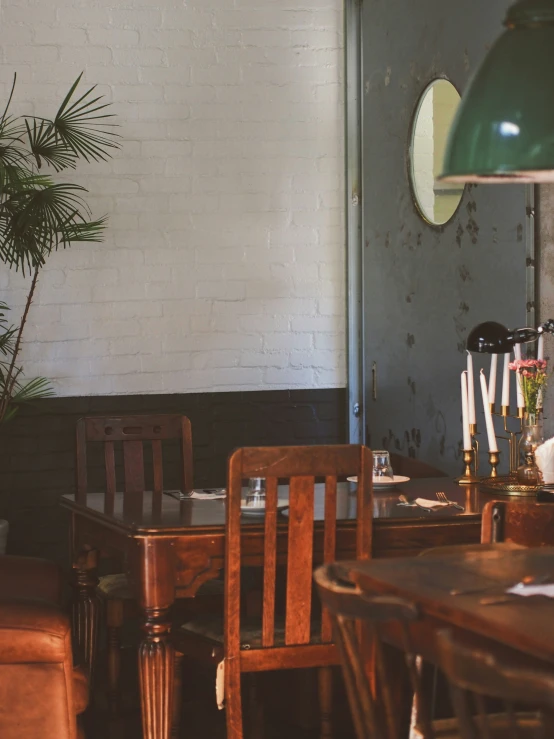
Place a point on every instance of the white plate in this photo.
(249, 511)
(381, 483)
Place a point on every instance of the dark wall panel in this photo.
(37, 449)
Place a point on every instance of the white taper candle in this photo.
(491, 437)
(465, 421)
(519, 389)
(506, 381)
(492, 378)
(470, 390)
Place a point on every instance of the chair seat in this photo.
(115, 587)
(211, 628)
(118, 587)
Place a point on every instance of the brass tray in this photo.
(508, 485)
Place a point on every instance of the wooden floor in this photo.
(290, 705)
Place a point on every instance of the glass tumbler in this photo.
(382, 467)
(255, 498)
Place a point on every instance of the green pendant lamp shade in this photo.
(503, 130)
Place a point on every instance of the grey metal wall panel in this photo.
(425, 287)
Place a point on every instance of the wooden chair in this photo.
(376, 713)
(133, 461)
(475, 675)
(506, 524)
(298, 641)
(513, 523)
(522, 522)
(130, 432)
(413, 468)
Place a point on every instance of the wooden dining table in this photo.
(481, 614)
(169, 554)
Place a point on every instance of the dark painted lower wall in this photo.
(37, 449)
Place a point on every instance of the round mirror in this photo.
(436, 201)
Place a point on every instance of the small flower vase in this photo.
(531, 435)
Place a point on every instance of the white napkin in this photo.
(424, 503)
(547, 590)
(208, 493)
(544, 456)
(199, 494)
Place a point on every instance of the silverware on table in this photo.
(414, 504)
(526, 581)
(404, 501)
(498, 600)
(441, 497)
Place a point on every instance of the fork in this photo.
(441, 497)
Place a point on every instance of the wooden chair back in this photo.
(413, 468)
(299, 466)
(530, 524)
(475, 675)
(131, 432)
(375, 713)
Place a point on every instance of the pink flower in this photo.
(531, 366)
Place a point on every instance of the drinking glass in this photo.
(255, 497)
(382, 467)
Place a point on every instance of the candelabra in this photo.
(471, 456)
(512, 436)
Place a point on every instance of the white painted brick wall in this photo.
(223, 263)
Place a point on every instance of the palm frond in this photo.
(36, 222)
(7, 341)
(11, 411)
(85, 231)
(15, 179)
(81, 126)
(32, 390)
(45, 147)
(6, 338)
(79, 129)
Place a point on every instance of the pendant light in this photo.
(503, 130)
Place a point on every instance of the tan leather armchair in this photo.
(41, 692)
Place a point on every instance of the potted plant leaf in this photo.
(39, 213)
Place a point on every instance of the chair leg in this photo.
(233, 700)
(325, 685)
(177, 696)
(114, 622)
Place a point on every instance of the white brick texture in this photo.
(223, 265)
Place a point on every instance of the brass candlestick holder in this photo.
(475, 445)
(494, 459)
(468, 477)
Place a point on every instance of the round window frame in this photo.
(410, 157)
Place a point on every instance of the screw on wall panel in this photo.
(357, 410)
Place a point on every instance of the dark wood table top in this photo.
(209, 515)
(524, 623)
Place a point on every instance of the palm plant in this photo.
(39, 214)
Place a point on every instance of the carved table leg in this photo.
(156, 672)
(85, 608)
